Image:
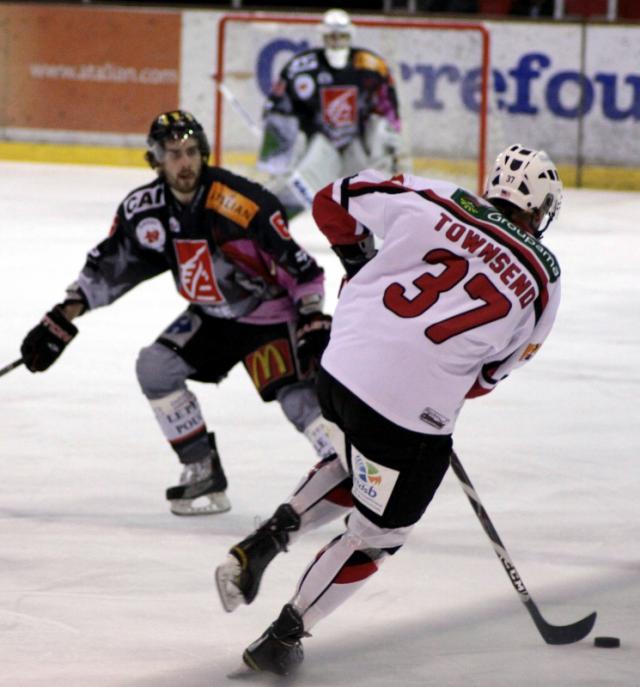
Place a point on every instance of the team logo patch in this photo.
(340, 105)
(151, 234)
(197, 279)
(372, 482)
(269, 363)
(182, 330)
(279, 223)
(304, 86)
(182, 325)
(303, 63)
(231, 204)
(467, 202)
(324, 78)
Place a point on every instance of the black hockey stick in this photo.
(552, 634)
(11, 366)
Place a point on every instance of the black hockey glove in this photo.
(354, 256)
(44, 344)
(313, 331)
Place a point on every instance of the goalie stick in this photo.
(552, 634)
(252, 125)
(11, 366)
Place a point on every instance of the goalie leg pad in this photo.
(320, 164)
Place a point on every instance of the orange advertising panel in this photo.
(87, 69)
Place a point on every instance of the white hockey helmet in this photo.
(529, 180)
(337, 34)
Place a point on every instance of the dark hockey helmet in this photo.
(176, 125)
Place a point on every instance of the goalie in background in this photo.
(332, 112)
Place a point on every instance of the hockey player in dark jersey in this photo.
(255, 296)
(332, 112)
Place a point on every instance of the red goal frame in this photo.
(383, 22)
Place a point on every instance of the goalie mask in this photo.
(337, 33)
(177, 125)
(528, 180)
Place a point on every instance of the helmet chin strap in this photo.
(527, 220)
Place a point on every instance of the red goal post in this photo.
(443, 86)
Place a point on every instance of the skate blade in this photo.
(208, 504)
(227, 575)
(245, 674)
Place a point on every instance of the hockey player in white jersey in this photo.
(461, 292)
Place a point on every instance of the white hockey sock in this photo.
(343, 566)
(179, 416)
(322, 496)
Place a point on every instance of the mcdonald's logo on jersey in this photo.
(270, 363)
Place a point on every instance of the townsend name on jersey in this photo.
(490, 236)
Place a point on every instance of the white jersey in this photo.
(456, 297)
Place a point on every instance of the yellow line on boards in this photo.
(618, 178)
(72, 154)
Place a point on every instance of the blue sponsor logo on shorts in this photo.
(180, 326)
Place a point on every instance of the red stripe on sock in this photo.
(341, 497)
(355, 573)
(188, 437)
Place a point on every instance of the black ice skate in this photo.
(238, 578)
(202, 486)
(279, 649)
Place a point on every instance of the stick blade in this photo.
(561, 634)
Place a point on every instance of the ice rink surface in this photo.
(101, 586)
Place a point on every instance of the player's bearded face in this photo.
(182, 164)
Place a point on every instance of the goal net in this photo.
(441, 70)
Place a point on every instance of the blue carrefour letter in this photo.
(430, 76)
(472, 92)
(584, 101)
(267, 56)
(524, 73)
(609, 105)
